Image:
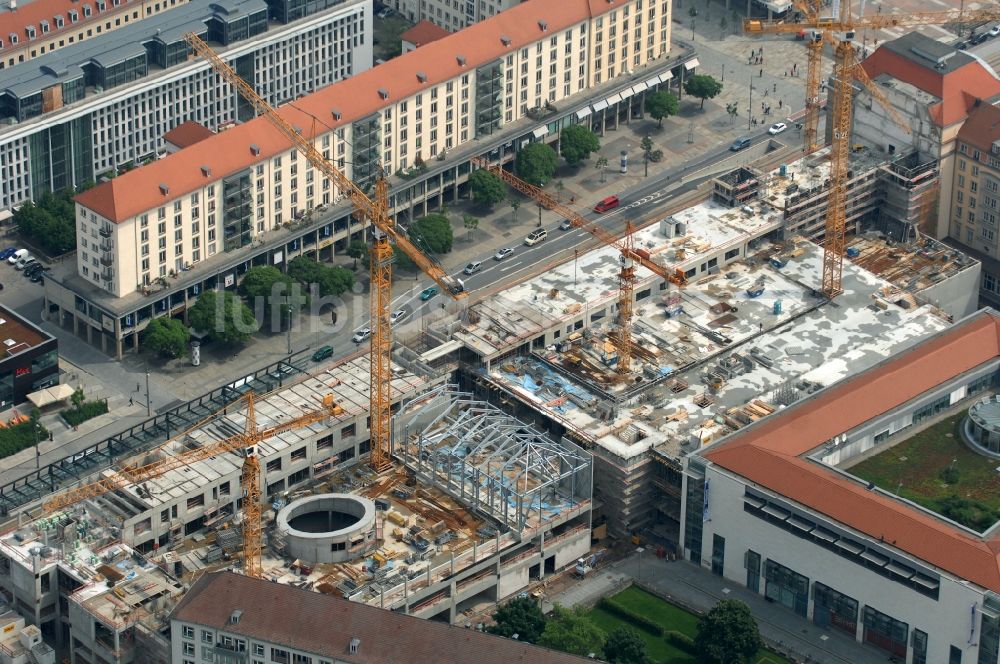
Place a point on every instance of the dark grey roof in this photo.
(28, 78)
(929, 53)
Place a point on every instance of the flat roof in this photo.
(61, 65)
(771, 453)
(18, 334)
(33, 12)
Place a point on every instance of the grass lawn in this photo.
(670, 617)
(914, 468)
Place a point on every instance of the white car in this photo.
(397, 316)
(995, 30)
(503, 253)
(361, 335)
(777, 128)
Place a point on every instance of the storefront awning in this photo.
(666, 76)
(650, 82)
(638, 87)
(50, 395)
(600, 105)
(613, 99)
(540, 131)
(691, 64)
(583, 112)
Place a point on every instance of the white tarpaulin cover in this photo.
(50, 395)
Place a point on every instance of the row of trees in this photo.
(50, 222)
(727, 634)
(225, 318)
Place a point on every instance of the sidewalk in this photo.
(699, 590)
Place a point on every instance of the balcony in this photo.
(104, 231)
(107, 259)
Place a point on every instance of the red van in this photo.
(609, 203)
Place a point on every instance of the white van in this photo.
(23, 261)
(18, 255)
(535, 236)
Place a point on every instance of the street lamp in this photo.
(149, 410)
(645, 154)
(750, 106)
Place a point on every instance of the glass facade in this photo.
(752, 563)
(833, 608)
(120, 73)
(919, 644)
(237, 219)
(989, 630)
(61, 156)
(489, 101)
(244, 66)
(366, 140)
(694, 511)
(718, 554)
(885, 632)
(786, 587)
(286, 11)
(73, 90)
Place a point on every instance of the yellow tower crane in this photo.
(630, 256)
(377, 212)
(839, 32)
(245, 444)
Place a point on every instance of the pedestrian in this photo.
(761, 328)
(137, 387)
(762, 73)
(775, 88)
(761, 107)
(765, 92)
(131, 401)
(781, 103)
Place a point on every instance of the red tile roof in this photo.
(956, 88)
(424, 33)
(187, 133)
(326, 625)
(227, 152)
(33, 13)
(983, 126)
(770, 453)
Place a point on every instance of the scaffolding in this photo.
(494, 463)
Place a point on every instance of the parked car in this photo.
(536, 236)
(36, 277)
(323, 353)
(976, 40)
(428, 293)
(503, 253)
(740, 143)
(473, 267)
(33, 269)
(777, 128)
(361, 335)
(995, 30)
(25, 261)
(609, 203)
(398, 316)
(962, 45)
(565, 225)
(16, 256)
(7, 253)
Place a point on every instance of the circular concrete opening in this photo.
(982, 427)
(331, 527)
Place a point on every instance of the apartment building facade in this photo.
(220, 194)
(89, 110)
(35, 28)
(452, 15)
(975, 192)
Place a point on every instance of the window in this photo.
(955, 655)
(206, 636)
(189, 649)
(258, 649)
(188, 632)
(279, 656)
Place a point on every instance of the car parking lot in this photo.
(17, 285)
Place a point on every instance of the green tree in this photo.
(569, 630)
(357, 249)
(223, 317)
(77, 398)
(536, 164)
(432, 233)
(519, 616)
(625, 646)
(50, 222)
(703, 87)
(661, 105)
(602, 165)
(328, 279)
(515, 204)
(272, 288)
(576, 142)
(487, 189)
(732, 110)
(471, 223)
(166, 336)
(727, 634)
